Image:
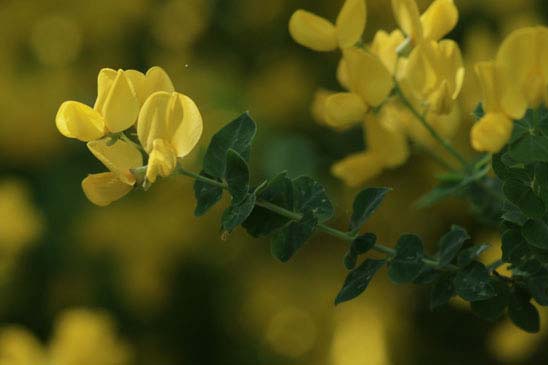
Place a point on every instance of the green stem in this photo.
(345, 236)
(442, 141)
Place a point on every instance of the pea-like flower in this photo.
(515, 81)
(107, 187)
(438, 20)
(169, 127)
(119, 97)
(319, 34)
(433, 75)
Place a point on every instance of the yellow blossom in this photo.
(493, 131)
(386, 147)
(116, 110)
(438, 20)
(522, 61)
(169, 127)
(319, 34)
(104, 188)
(433, 76)
(119, 96)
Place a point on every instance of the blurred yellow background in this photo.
(144, 281)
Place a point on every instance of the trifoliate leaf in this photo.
(530, 149)
(309, 195)
(278, 191)
(473, 283)
(237, 175)
(407, 263)
(237, 213)
(291, 238)
(365, 204)
(524, 197)
(492, 309)
(468, 255)
(206, 195)
(535, 233)
(451, 243)
(363, 243)
(358, 279)
(237, 135)
(524, 314)
(538, 285)
(442, 291)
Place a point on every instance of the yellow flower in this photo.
(385, 47)
(522, 61)
(169, 127)
(119, 97)
(104, 188)
(19, 347)
(386, 147)
(438, 20)
(116, 110)
(494, 130)
(319, 34)
(433, 76)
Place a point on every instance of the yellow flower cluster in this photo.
(516, 80)
(81, 337)
(400, 75)
(168, 125)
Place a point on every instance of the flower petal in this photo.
(516, 60)
(407, 16)
(119, 158)
(385, 47)
(157, 80)
(121, 105)
(487, 77)
(439, 19)
(137, 80)
(105, 79)
(491, 133)
(389, 145)
(162, 160)
(351, 23)
(186, 120)
(102, 189)
(312, 31)
(77, 120)
(368, 76)
(357, 169)
(344, 110)
(172, 117)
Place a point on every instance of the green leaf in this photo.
(492, 309)
(309, 195)
(535, 233)
(363, 243)
(524, 314)
(451, 243)
(514, 247)
(263, 222)
(541, 182)
(407, 263)
(237, 213)
(237, 135)
(530, 149)
(365, 204)
(468, 255)
(287, 241)
(427, 276)
(358, 279)
(473, 283)
(350, 260)
(514, 215)
(206, 195)
(442, 291)
(237, 175)
(522, 127)
(439, 193)
(538, 285)
(523, 196)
